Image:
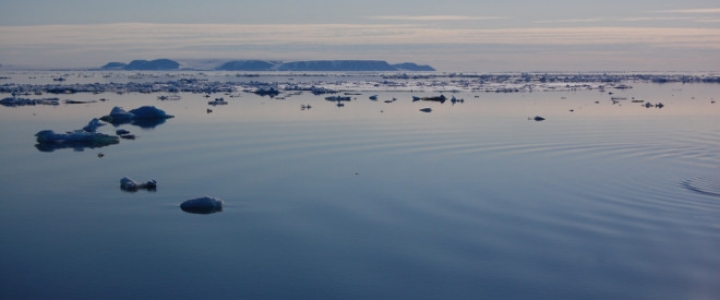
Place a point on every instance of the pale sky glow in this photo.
(457, 36)
(160, 36)
(692, 11)
(437, 18)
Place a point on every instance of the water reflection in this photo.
(474, 192)
(78, 147)
(142, 123)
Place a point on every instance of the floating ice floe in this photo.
(266, 91)
(129, 185)
(169, 97)
(125, 134)
(79, 137)
(649, 105)
(203, 205)
(218, 101)
(454, 100)
(427, 109)
(440, 99)
(145, 116)
(12, 101)
(117, 114)
(121, 132)
(49, 140)
(338, 98)
(70, 101)
(93, 125)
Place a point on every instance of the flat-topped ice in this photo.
(203, 205)
(78, 137)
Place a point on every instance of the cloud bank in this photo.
(183, 35)
(424, 43)
(438, 18)
(691, 11)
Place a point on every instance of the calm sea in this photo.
(371, 200)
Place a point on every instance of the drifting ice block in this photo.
(76, 137)
(129, 185)
(93, 125)
(203, 205)
(119, 115)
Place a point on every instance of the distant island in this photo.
(263, 65)
(143, 65)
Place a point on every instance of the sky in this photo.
(450, 35)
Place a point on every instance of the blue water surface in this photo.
(372, 200)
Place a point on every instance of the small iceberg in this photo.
(70, 101)
(267, 91)
(170, 97)
(77, 137)
(218, 101)
(149, 112)
(427, 109)
(145, 116)
(454, 100)
(338, 98)
(144, 112)
(93, 125)
(14, 102)
(49, 140)
(440, 99)
(538, 118)
(129, 185)
(203, 205)
(121, 132)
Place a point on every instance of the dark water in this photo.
(372, 200)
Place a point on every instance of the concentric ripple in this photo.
(704, 185)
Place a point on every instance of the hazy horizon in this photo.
(451, 36)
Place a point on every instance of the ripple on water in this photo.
(707, 185)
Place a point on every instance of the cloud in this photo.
(437, 18)
(611, 20)
(588, 20)
(691, 11)
(137, 35)
(655, 19)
